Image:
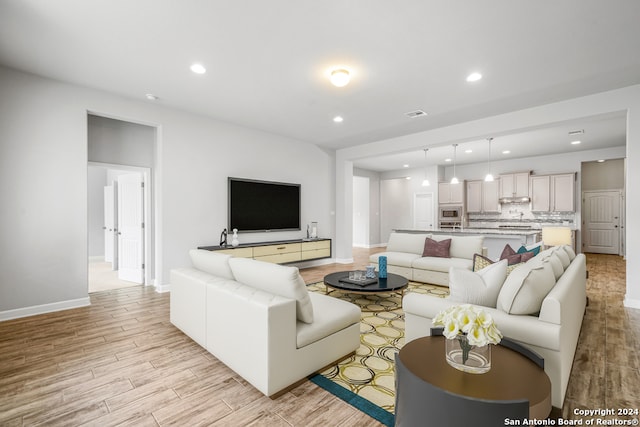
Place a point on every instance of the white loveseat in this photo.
(259, 319)
(552, 333)
(404, 256)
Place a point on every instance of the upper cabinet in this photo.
(514, 185)
(482, 196)
(451, 193)
(553, 193)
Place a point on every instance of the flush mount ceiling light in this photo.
(489, 177)
(454, 180)
(340, 77)
(425, 182)
(198, 68)
(338, 119)
(474, 77)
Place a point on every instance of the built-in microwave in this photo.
(450, 213)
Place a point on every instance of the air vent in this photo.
(416, 113)
(576, 132)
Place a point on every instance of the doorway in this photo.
(361, 223)
(118, 214)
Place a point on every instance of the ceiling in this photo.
(268, 62)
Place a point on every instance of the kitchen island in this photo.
(495, 239)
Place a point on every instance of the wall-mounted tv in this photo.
(263, 205)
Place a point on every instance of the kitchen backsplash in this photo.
(520, 215)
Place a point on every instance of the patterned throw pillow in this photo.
(480, 262)
(434, 248)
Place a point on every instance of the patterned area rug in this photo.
(368, 376)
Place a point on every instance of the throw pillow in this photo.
(434, 248)
(514, 257)
(276, 279)
(535, 250)
(211, 262)
(560, 253)
(480, 288)
(569, 250)
(525, 289)
(481, 261)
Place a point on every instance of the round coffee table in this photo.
(428, 388)
(392, 283)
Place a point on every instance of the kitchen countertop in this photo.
(494, 231)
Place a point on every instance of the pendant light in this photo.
(489, 177)
(425, 183)
(454, 180)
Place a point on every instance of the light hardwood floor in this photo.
(120, 361)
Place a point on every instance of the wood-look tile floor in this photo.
(121, 362)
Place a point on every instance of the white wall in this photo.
(361, 214)
(43, 171)
(625, 99)
(396, 206)
(608, 175)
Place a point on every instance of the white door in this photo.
(423, 217)
(601, 222)
(130, 228)
(110, 241)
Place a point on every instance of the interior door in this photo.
(110, 226)
(601, 222)
(423, 218)
(130, 228)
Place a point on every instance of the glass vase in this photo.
(466, 357)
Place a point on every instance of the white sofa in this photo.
(552, 333)
(259, 319)
(404, 256)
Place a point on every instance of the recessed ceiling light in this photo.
(506, 152)
(601, 161)
(575, 142)
(405, 166)
(447, 160)
(338, 119)
(468, 151)
(151, 97)
(407, 178)
(474, 77)
(198, 68)
(340, 77)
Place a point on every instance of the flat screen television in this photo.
(263, 205)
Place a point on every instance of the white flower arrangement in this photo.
(472, 322)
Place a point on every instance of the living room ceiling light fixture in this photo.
(474, 77)
(454, 180)
(489, 177)
(506, 152)
(468, 151)
(151, 97)
(425, 181)
(601, 161)
(338, 119)
(198, 68)
(340, 77)
(575, 142)
(405, 165)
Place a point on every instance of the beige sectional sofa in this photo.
(540, 305)
(260, 320)
(404, 256)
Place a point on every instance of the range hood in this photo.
(514, 200)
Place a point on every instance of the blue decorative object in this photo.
(382, 267)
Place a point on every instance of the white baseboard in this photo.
(375, 245)
(632, 303)
(163, 288)
(44, 308)
(344, 260)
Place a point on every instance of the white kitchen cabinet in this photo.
(553, 193)
(514, 185)
(451, 194)
(563, 192)
(482, 196)
(540, 193)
